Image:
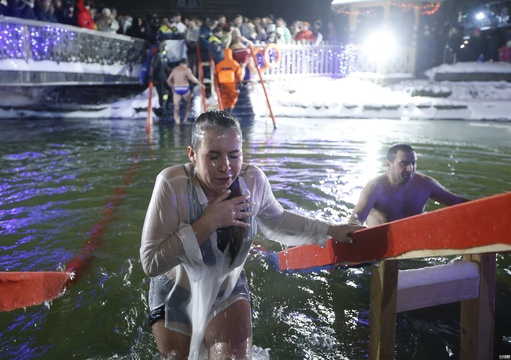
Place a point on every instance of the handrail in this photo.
(83, 56)
(38, 40)
(262, 84)
(215, 84)
(201, 78)
(336, 60)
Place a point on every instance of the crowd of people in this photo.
(492, 44)
(236, 33)
(224, 41)
(77, 13)
(212, 36)
(84, 14)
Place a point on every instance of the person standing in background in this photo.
(179, 81)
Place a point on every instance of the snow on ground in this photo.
(358, 97)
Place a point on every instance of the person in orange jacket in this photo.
(229, 74)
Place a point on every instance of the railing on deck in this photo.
(331, 60)
(81, 54)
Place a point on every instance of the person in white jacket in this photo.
(198, 230)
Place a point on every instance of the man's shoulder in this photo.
(377, 181)
(425, 180)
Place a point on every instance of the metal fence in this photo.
(34, 41)
(286, 60)
(27, 44)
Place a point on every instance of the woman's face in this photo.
(218, 160)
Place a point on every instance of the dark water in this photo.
(59, 178)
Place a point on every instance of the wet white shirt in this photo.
(169, 245)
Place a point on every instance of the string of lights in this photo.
(60, 44)
(337, 61)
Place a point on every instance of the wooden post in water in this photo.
(382, 323)
(462, 281)
(478, 315)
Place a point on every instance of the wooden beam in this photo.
(453, 230)
(437, 285)
(382, 323)
(478, 315)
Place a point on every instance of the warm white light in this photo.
(381, 45)
(480, 16)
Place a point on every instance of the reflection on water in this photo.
(58, 179)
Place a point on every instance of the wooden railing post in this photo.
(382, 324)
(478, 315)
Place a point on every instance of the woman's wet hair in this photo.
(207, 121)
(392, 152)
(211, 120)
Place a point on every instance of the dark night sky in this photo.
(293, 9)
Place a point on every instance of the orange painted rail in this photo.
(23, 289)
(478, 226)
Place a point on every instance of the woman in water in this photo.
(198, 230)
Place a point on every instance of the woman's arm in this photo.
(288, 227)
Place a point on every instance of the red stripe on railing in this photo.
(79, 263)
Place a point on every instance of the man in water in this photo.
(179, 81)
(399, 192)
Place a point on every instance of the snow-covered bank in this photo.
(356, 97)
(352, 97)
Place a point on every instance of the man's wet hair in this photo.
(392, 152)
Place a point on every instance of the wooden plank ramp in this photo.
(477, 230)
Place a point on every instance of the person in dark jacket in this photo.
(44, 11)
(21, 8)
(4, 10)
(68, 15)
(216, 45)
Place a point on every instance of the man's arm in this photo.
(170, 79)
(365, 203)
(192, 77)
(442, 195)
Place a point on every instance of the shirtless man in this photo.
(179, 81)
(400, 192)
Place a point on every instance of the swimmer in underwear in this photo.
(181, 90)
(179, 81)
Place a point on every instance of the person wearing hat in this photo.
(216, 45)
(83, 16)
(305, 34)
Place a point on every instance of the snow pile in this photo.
(355, 97)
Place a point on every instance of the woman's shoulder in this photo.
(253, 172)
(251, 168)
(181, 170)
